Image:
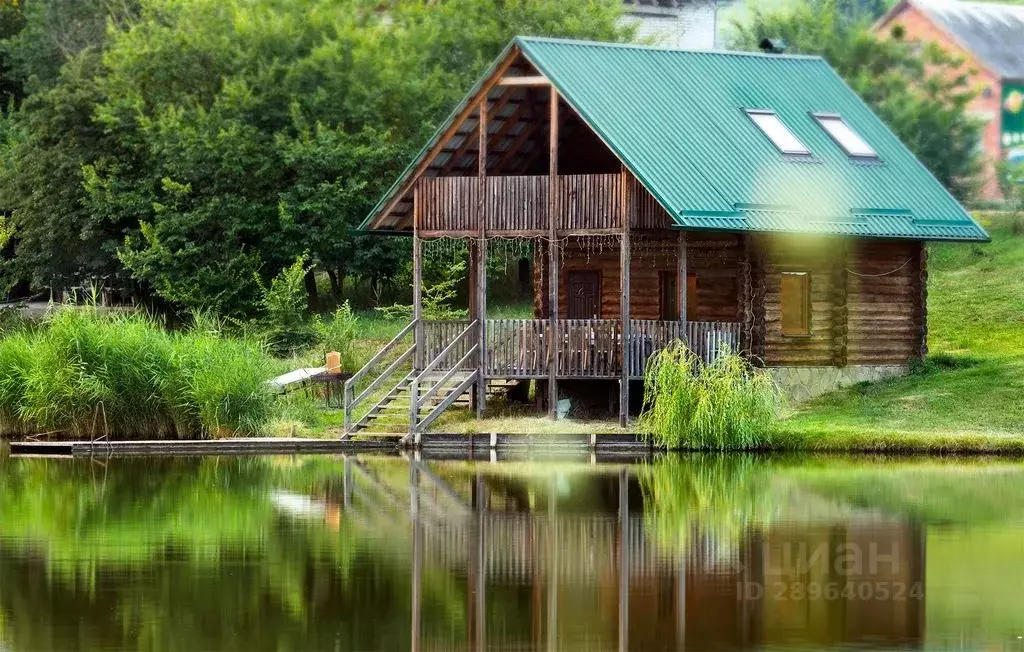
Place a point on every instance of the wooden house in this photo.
(739, 200)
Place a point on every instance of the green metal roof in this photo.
(676, 119)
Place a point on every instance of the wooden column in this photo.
(757, 255)
(417, 314)
(745, 310)
(624, 261)
(553, 254)
(681, 281)
(481, 266)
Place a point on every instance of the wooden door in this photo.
(584, 294)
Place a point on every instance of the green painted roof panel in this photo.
(676, 118)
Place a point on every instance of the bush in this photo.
(338, 333)
(724, 405)
(89, 373)
(285, 321)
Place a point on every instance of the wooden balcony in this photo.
(584, 348)
(518, 205)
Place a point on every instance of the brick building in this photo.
(991, 38)
(690, 24)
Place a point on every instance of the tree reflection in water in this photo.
(305, 553)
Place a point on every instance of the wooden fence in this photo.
(517, 348)
(439, 334)
(517, 204)
(587, 348)
(707, 339)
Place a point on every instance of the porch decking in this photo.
(584, 348)
(430, 365)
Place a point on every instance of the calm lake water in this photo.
(380, 553)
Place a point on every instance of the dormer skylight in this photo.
(776, 130)
(845, 136)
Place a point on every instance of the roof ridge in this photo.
(663, 48)
(974, 4)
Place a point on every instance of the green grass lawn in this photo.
(969, 394)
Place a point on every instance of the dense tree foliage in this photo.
(918, 90)
(191, 150)
(200, 146)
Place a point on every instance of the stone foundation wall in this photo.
(803, 383)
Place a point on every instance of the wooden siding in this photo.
(885, 311)
(867, 303)
(589, 201)
(817, 257)
(713, 258)
(644, 210)
(517, 203)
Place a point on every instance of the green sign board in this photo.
(1012, 132)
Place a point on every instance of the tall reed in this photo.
(85, 373)
(722, 405)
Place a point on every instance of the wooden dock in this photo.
(439, 443)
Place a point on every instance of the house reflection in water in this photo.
(546, 565)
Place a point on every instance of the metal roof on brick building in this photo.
(992, 32)
(678, 121)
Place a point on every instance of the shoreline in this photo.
(488, 444)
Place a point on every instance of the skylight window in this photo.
(845, 136)
(780, 135)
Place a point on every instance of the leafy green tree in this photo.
(249, 132)
(921, 93)
(50, 49)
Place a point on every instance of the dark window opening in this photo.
(668, 296)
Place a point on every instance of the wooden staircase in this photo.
(418, 397)
(391, 413)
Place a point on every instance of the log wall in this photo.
(885, 311)
(868, 297)
(799, 255)
(713, 258)
(866, 302)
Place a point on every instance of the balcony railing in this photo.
(585, 348)
(519, 204)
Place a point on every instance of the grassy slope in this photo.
(971, 392)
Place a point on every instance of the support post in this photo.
(553, 255)
(417, 315)
(681, 283)
(481, 267)
(626, 339)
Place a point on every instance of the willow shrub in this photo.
(723, 405)
(84, 373)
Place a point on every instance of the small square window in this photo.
(845, 136)
(777, 131)
(795, 297)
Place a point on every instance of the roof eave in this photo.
(402, 185)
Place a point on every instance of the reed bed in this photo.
(86, 373)
(722, 405)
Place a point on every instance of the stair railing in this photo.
(351, 400)
(416, 426)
